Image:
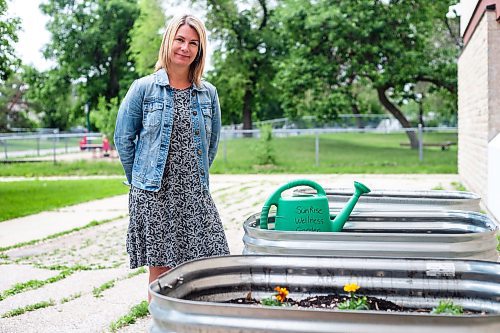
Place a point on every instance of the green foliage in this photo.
(90, 43)
(47, 195)
(97, 291)
(271, 302)
(242, 61)
(138, 271)
(35, 284)
(70, 298)
(13, 105)
(447, 307)
(49, 95)
(104, 117)
(8, 36)
(354, 303)
(74, 168)
(459, 186)
(265, 152)
(138, 311)
(390, 47)
(28, 308)
(146, 35)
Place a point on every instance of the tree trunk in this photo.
(398, 115)
(247, 111)
(421, 113)
(357, 115)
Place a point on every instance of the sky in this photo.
(33, 34)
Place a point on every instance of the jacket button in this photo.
(193, 93)
(199, 152)
(202, 173)
(195, 113)
(197, 132)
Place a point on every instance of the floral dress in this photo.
(179, 222)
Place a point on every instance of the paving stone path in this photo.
(84, 277)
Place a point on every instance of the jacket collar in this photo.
(161, 78)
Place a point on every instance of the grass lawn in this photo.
(23, 198)
(31, 144)
(75, 168)
(339, 153)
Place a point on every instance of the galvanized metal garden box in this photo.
(393, 200)
(410, 234)
(190, 297)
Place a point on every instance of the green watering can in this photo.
(307, 212)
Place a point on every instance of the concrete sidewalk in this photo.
(38, 226)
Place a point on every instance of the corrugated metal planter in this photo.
(392, 200)
(188, 298)
(452, 235)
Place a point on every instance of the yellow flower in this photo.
(281, 294)
(351, 287)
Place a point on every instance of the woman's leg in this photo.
(154, 272)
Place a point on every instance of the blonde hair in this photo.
(164, 56)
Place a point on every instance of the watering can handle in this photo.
(274, 198)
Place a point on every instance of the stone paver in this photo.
(12, 274)
(41, 225)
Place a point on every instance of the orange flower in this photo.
(351, 287)
(281, 294)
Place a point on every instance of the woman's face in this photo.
(185, 46)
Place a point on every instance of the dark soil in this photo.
(331, 302)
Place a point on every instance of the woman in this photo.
(166, 135)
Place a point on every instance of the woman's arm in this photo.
(128, 127)
(216, 125)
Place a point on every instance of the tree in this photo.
(90, 43)
(388, 45)
(146, 36)
(13, 106)
(242, 60)
(105, 118)
(8, 36)
(49, 94)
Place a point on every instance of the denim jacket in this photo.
(144, 126)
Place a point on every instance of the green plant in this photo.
(353, 302)
(458, 186)
(138, 311)
(97, 291)
(277, 299)
(448, 307)
(264, 150)
(70, 298)
(28, 308)
(35, 284)
(104, 117)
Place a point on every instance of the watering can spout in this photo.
(342, 217)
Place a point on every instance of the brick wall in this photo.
(473, 101)
(478, 103)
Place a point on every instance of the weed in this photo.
(138, 311)
(458, 186)
(97, 291)
(28, 308)
(447, 307)
(70, 298)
